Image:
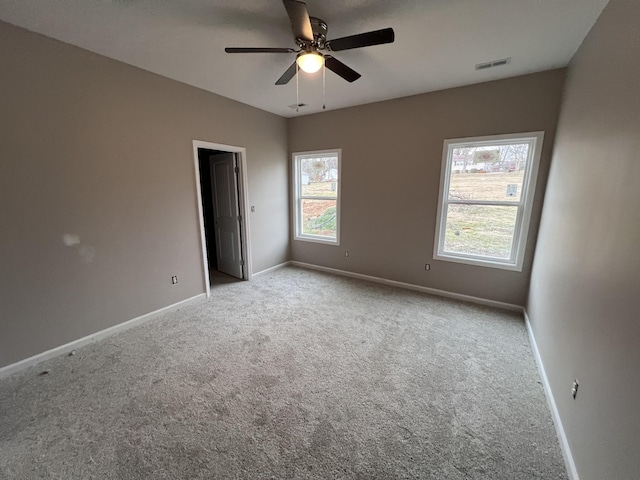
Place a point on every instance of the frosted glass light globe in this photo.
(310, 62)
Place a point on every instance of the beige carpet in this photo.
(296, 374)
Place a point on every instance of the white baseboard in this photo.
(271, 269)
(410, 286)
(95, 337)
(572, 471)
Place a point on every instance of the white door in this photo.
(226, 214)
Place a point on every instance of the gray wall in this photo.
(584, 299)
(391, 159)
(93, 147)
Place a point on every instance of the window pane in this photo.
(319, 176)
(483, 230)
(488, 172)
(319, 218)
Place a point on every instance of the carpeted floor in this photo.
(297, 374)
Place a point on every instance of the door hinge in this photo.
(239, 218)
(237, 169)
(242, 263)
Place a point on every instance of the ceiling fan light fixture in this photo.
(310, 62)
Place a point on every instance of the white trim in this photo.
(272, 269)
(297, 235)
(523, 206)
(410, 286)
(94, 337)
(245, 208)
(243, 199)
(203, 238)
(572, 471)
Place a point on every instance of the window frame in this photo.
(524, 205)
(297, 197)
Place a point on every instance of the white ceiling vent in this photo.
(493, 63)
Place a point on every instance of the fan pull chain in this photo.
(324, 74)
(297, 88)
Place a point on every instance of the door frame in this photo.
(243, 200)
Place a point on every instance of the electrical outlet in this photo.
(346, 253)
(427, 266)
(174, 279)
(574, 388)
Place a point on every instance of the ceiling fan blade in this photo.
(377, 37)
(339, 68)
(299, 16)
(287, 75)
(258, 50)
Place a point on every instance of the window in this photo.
(317, 196)
(486, 195)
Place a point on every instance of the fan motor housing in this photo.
(319, 28)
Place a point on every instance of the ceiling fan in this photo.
(310, 35)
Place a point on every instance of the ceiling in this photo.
(438, 42)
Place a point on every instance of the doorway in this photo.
(222, 206)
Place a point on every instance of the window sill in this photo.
(514, 267)
(312, 239)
